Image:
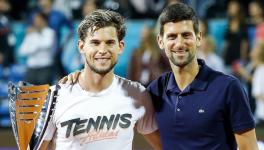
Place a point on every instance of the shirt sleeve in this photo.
(238, 109)
(147, 124)
(50, 130)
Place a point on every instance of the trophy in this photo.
(31, 108)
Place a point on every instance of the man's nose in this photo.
(102, 48)
(179, 41)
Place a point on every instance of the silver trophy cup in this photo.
(31, 107)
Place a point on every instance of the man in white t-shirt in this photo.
(101, 110)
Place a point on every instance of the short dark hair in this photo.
(178, 12)
(102, 18)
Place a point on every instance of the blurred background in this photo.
(233, 42)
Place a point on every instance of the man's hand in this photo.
(72, 78)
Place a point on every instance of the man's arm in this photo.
(247, 140)
(154, 140)
(44, 145)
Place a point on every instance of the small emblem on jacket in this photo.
(200, 111)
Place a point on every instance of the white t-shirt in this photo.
(100, 121)
(39, 48)
(258, 89)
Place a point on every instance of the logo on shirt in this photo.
(102, 127)
(201, 111)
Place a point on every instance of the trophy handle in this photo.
(44, 118)
(12, 95)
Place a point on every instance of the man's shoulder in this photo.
(129, 84)
(49, 30)
(133, 89)
(162, 80)
(60, 86)
(220, 80)
(222, 77)
(64, 89)
(158, 86)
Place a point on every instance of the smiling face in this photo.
(101, 49)
(180, 42)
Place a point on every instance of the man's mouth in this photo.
(180, 51)
(102, 59)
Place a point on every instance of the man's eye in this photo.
(95, 43)
(110, 42)
(172, 37)
(186, 35)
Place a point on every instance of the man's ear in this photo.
(160, 41)
(199, 39)
(80, 46)
(121, 46)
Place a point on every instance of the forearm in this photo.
(248, 146)
(247, 140)
(154, 140)
(44, 145)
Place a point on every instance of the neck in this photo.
(185, 75)
(40, 28)
(94, 82)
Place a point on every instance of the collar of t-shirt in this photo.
(101, 93)
(199, 83)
